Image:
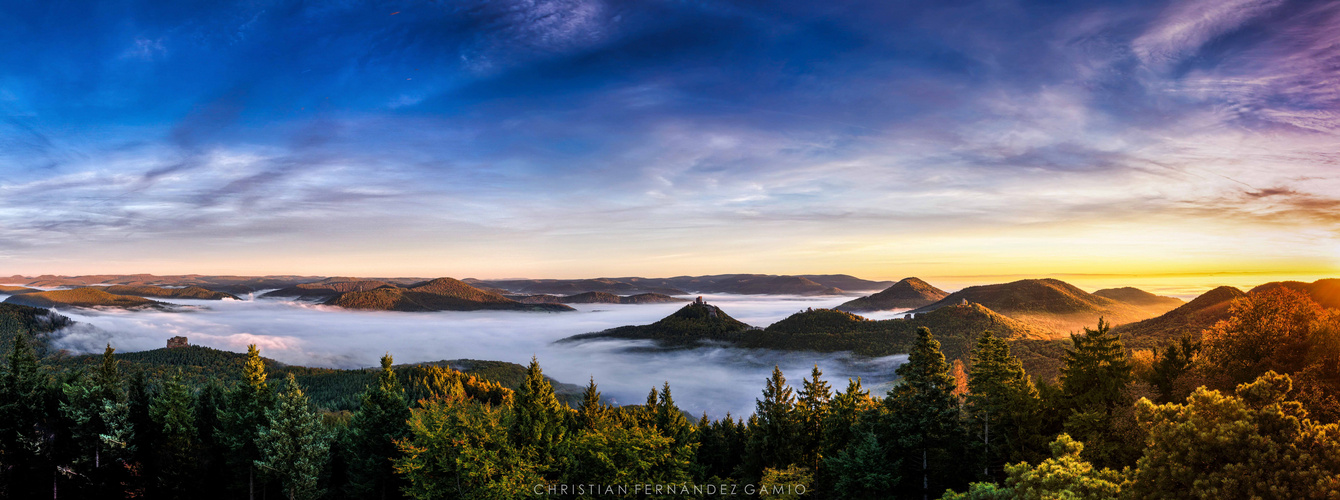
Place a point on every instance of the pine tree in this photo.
(846, 411)
(923, 420)
(812, 412)
(173, 410)
(772, 441)
(1094, 382)
(670, 420)
(862, 470)
(22, 442)
(213, 451)
(592, 413)
(293, 444)
(541, 420)
(1002, 404)
(244, 416)
(381, 419)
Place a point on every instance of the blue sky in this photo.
(583, 137)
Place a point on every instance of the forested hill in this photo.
(908, 293)
(441, 294)
(187, 292)
(691, 325)
(827, 330)
(1187, 320)
(35, 323)
(87, 297)
(1053, 305)
(330, 389)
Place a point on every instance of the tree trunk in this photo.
(925, 477)
(251, 482)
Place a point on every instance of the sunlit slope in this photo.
(908, 293)
(327, 288)
(1052, 305)
(189, 292)
(89, 297)
(442, 294)
(1188, 319)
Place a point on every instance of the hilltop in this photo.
(908, 293)
(744, 284)
(826, 330)
(1051, 304)
(691, 325)
(598, 298)
(14, 290)
(87, 297)
(188, 292)
(441, 294)
(1138, 297)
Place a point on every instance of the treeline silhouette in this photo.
(1245, 410)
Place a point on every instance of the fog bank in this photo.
(715, 380)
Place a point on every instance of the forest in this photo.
(1247, 408)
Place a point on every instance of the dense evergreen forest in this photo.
(1246, 409)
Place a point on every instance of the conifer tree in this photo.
(812, 412)
(592, 413)
(213, 452)
(245, 416)
(670, 420)
(1094, 384)
(293, 444)
(846, 411)
(862, 471)
(173, 410)
(1002, 404)
(381, 419)
(923, 420)
(22, 442)
(541, 420)
(772, 442)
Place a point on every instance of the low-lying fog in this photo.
(715, 380)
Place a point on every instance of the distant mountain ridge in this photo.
(908, 293)
(598, 298)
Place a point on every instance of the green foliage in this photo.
(245, 414)
(23, 442)
(541, 420)
(811, 415)
(772, 442)
(791, 483)
(921, 427)
(463, 450)
(379, 422)
(293, 444)
(1094, 385)
(1064, 476)
(862, 470)
(1255, 444)
(173, 411)
(1003, 406)
(628, 455)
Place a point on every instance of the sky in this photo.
(580, 138)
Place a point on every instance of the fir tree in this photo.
(541, 420)
(244, 416)
(1093, 385)
(213, 451)
(772, 442)
(1002, 403)
(381, 419)
(592, 413)
(293, 444)
(22, 441)
(923, 420)
(173, 410)
(812, 413)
